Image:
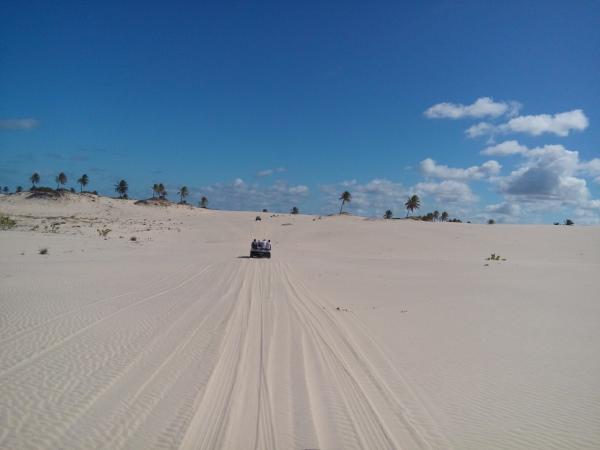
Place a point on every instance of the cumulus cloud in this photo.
(504, 208)
(547, 174)
(560, 124)
(505, 148)
(480, 129)
(18, 124)
(591, 168)
(482, 107)
(448, 191)
(239, 195)
(372, 198)
(429, 168)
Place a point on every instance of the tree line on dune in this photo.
(121, 188)
(159, 191)
(412, 203)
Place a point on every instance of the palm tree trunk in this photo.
(342, 206)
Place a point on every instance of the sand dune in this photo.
(357, 334)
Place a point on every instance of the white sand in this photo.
(174, 341)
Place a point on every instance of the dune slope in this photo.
(357, 334)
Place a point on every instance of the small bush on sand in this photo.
(257, 218)
(494, 257)
(133, 239)
(6, 223)
(43, 251)
(103, 232)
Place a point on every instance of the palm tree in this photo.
(162, 192)
(413, 202)
(35, 179)
(346, 197)
(388, 214)
(121, 188)
(183, 192)
(444, 216)
(154, 189)
(203, 202)
(436, 215)
(61, 178)
(295, 210)
(83, 181)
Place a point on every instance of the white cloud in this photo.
(299, 189)
(560, 124)
(591, 168)
(269, 172)
(448, 191)
(505, 148)
(482, 107)
(18, 124)
(504, 209)
(370, 199)
(429, 168)
(239, 195)
(547, 174)
(480, 129)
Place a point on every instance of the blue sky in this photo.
(280, 104)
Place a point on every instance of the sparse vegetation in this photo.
(494, 257)
(133, 239)
(6, 223)
(35, 179)
(43, 251)
(444, 216)
(346, 197)
(413, 202)
(162, 191)
(103, 233)
(388, 214)
(121, 188)
(19, 189)
(295, 210)
(83, 181)
(61, 180)
(203, 202)
(257, 218)
(491, 222)
(183, 193)
(569, 222)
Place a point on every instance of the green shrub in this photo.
(6, 223)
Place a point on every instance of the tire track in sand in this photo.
(351, 404)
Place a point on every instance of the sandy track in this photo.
(238, 354)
